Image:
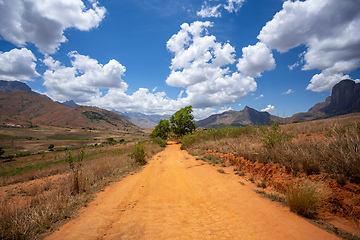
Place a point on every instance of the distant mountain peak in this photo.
(246, 117)
(70, 104)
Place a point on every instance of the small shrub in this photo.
(51, 147)
(304, 198)
(160, 141)
(138, 153)
(221, 171)
(273, 135)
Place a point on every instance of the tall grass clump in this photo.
(342, 152)
(304, 198)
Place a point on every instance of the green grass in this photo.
(37, 166)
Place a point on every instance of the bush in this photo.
(160, 141)
(51, 147)
(304, 198)
(138, 153)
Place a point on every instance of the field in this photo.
(39, 187)
(36, 140)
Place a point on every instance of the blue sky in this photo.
(157, 56)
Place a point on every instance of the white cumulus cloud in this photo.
(89, 82)
(140, 101)
(85, 78)
(322, 82)
(201, 65)
(17, 64)
(256, 59)
(270, 109)
(329, 30)
(43, 22)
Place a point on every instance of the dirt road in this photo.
(177, 197)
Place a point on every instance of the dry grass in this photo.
(325, 146)
(53, 200)
(304, 198)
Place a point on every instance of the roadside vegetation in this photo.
(329, 149)
(43, 196)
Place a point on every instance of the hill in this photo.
(27, 109)
(247, 116)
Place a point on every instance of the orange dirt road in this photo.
(177, 197)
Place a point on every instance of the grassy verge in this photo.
(54, 199)
(326, 146)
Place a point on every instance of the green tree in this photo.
(182, 122)
(161, 130)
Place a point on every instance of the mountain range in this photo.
(344, 99)
(20, 105)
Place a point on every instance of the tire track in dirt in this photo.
(176, 197)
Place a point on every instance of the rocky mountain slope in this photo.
(344, 99)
